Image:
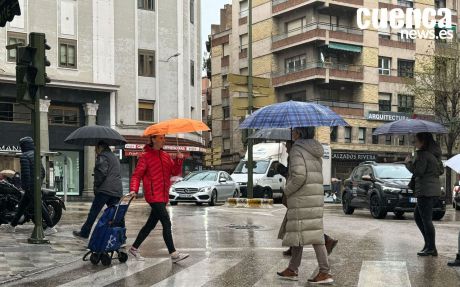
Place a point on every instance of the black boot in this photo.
(427, 252)
(454, 263)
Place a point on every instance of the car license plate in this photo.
(413, 199)
(186, 195)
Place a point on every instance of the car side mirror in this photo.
(367, 178)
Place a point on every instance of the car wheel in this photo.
(213, 200)
(346, 204)
(173, 202)
(438, 215)
(376, 208)
(236, 194)
(399, 214)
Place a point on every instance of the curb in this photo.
(249, 202)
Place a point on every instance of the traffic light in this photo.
(25, 73)
(37, 41)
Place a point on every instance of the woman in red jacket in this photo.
(155, 168)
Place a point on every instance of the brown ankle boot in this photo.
(321, 278)
(288, 274)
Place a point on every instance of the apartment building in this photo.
(124, 64)
(314, 51)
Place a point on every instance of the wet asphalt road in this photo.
(238, 247)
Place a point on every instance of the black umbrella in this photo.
(92, 135)
(410, 126)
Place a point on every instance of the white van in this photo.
(267, 181)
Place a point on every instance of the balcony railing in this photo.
(317, 25)
(324, 65)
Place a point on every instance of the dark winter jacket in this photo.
(27, 164)
(107, 174)
(155, 168)
(426, 170)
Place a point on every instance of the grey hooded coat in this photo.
(303, 224)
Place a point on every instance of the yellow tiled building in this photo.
(313, 50)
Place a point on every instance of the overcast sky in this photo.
(210, 14)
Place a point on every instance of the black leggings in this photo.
(424, 218)
(158, 213)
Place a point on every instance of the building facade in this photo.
(313, 51)
(108, 67)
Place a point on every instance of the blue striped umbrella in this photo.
(410, 126)
(293, 114)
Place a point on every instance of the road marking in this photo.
(383, 274)
(223, 249)
(306, 269)
(115, 273)
(200, 273)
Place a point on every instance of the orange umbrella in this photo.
(176, 126)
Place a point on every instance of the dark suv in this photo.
(382, 188)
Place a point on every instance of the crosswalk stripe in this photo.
(270, 278)
(383, 274)
(200, 273)
(115, 273)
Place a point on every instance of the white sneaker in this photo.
(177, 256)
(7, 228)
(135, 252)
(50, 231)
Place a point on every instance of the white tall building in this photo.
(119, 63)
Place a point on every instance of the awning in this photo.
(345, 47)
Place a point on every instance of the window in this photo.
(6, 112)
(384, 66)
(439, 4)
(146, 4)
(68, 53)
(295, 27)
(227, 145)
(362, 135)
(146, 111)
(402, 140)
(348, 134)
(244, 8)
(15, 38)
(224, 81)
(68, 116)
(146, 63)
(384, 102)
(406, 3)
(375, 139)
(402, 36)
(405, 104)
(388, 140)
(295, 64)
(297, 96)
(334, 134)
(192, 73)
(226, 49)
(226, 111)
(357, 175)
(192, 11)
(243, 42)
(405, 68)
(385, 33)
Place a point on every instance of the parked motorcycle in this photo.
(10, 196)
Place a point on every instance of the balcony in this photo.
(343, 108)
(283, 6)
(317, 32)
(319, 70)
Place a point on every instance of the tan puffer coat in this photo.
(305, 195)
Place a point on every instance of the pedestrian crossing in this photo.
(212, 269)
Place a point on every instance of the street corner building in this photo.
(122, 64)
(314, 51)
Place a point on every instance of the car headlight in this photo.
(391, 189)
(172, 189)
(205, 189)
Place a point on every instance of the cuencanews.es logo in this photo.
(412, 23)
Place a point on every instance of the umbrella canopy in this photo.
(272, 134)
(454, 163)
(176, 126)
(292, 114)
(92, 135)
(410, 126)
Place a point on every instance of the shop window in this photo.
(65, 172)
(12, 112)
(362, 135)
(146, 111)
(68, 53)
(67, 116)
(348, 134)
(15, 38)
(375, 139)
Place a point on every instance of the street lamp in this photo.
(173, 56)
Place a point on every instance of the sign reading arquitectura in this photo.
(386, 116)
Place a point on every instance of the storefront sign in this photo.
(10, 148)
(344, 156)
(184, 148)
(386, 116)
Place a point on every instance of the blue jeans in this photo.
(99, 201)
